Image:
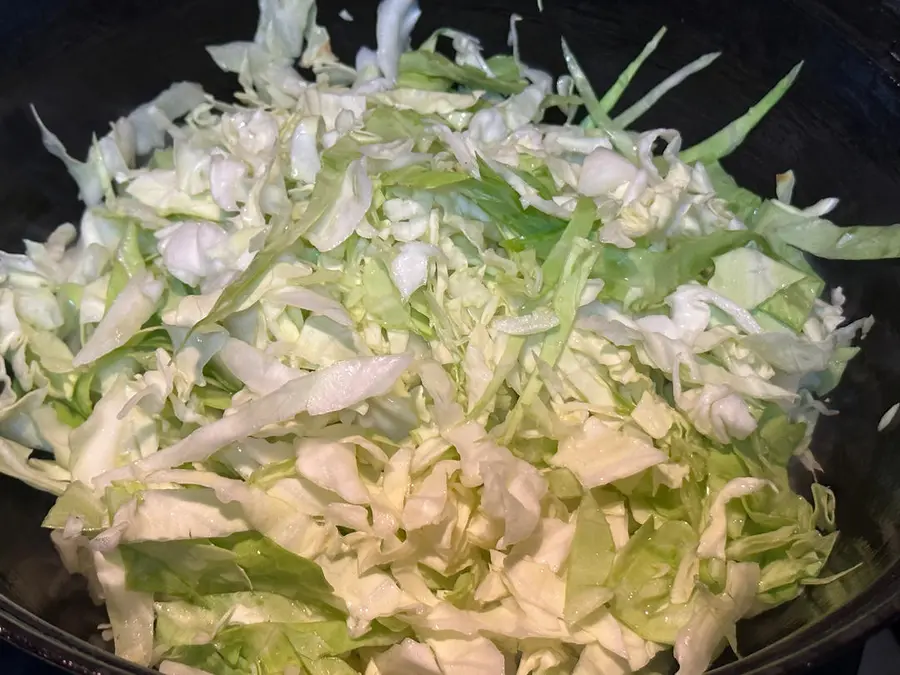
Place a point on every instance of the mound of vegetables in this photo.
(379, 373)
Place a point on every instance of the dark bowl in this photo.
(83, 64)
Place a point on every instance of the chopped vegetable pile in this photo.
(381, 374)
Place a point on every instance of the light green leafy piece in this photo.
(579, 227)
(742, 202)
(650, 99)
(827, 240)
(590, 561)
(502, 203)
(614, 93)
(749, 277)
(727, 140)
(442, 73)
(286, 232)
(598, 114)
(246, 561)
(79, 501)
(793, 305)
(15, 461)
(565, 303)
(179, 622)
(642, 577)
(653, 275)
(275, 648)
(422, 178)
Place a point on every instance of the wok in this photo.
(83, 64)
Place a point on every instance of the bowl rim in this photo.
(41, 639)
(814, 644)
(803, 649)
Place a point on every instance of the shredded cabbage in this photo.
(380, 373)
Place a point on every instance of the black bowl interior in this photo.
(83, 64)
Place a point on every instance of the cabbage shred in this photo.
(381, 374)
